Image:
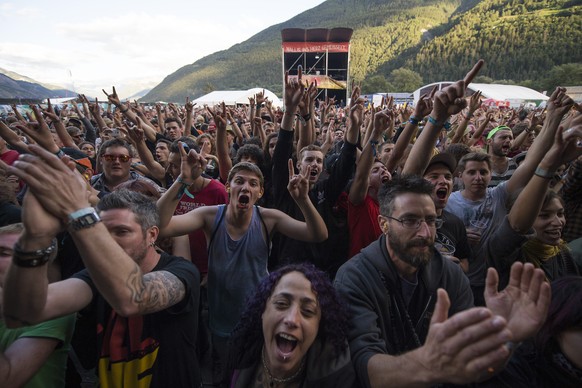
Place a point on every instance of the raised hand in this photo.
(260, 97)
(424, 105)
(298, 183)
(136, 133)
(559, 104)
(50, 112)
(113, 97)
(475, 102)
(464, 347)
(382, 121)
(189, 106)
(56, 183)
(525, 301)
(294, 91)
(220, 117)
(451, 100)
(39, 131)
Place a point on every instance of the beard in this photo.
(138, 253)
(404, 250)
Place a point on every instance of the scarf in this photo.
(537, 252)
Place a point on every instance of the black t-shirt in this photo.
(453, 232)
(155, 350)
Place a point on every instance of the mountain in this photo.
(19, 77)
(520, 40)
(16, 86)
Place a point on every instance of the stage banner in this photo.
(316, 47)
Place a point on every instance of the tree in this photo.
(483, 79)
(405, 80)
(208, 87)
(375, 84)
(569, 74)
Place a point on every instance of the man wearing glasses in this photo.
(413, 321)
(401, 292)
(115, 163)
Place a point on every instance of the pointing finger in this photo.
(291, 170)
(473, 72)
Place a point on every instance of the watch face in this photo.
(85, 221)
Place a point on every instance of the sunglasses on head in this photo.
(111, 158)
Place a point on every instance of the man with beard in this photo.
(145, 302)
(400, 293)
(499, 142)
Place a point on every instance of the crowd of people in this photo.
(315, 245)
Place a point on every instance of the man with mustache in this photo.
(413, 321)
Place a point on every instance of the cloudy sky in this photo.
(89, 45)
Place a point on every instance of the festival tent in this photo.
(235, 97)
(494, 94)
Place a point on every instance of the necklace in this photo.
(274, 380)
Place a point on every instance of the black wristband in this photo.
(33, 259)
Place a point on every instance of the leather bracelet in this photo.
(307, 117)
(35, 258)
(544, 173)
(301, 118)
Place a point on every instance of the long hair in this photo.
(247, 337)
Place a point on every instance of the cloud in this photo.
(9, 10)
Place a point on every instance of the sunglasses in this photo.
(111, 158)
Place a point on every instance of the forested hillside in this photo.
(520, 40)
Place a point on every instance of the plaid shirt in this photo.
(571, 193)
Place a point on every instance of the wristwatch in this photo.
(83, 218)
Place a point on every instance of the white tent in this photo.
(513, 95)
(235, 97)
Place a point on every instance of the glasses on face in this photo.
(111, 158)
(414, 223)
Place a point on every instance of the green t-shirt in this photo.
(52, 373)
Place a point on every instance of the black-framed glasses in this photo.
(414, 223)
(111, 158)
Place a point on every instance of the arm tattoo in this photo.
(155, 291)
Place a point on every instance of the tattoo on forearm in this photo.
(154, 291)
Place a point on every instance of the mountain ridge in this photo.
(439, 39)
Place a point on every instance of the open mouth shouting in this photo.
(313, 174)
(243, 201)
(286, 343)
(442, 193)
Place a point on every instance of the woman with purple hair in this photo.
(292, 334)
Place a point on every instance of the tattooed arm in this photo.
(117, 252)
